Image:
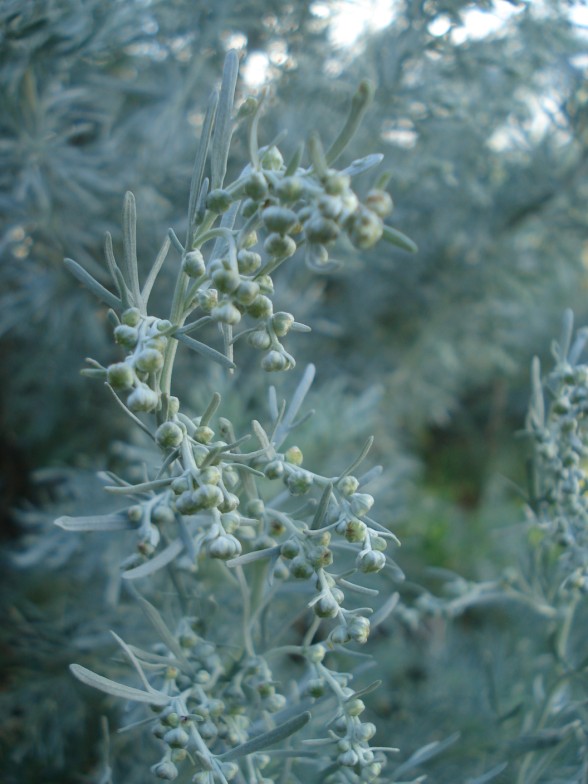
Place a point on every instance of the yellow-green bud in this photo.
(193, 264)
(380, 202)
(248, 261)
(256, 186)
(272, 159)
(227, 313)
(131, 317)
(120, 375)
(169, 435)
(279, 246)
(149, 360)
(279, 219)
(218, 201)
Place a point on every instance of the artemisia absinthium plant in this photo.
(256, 520)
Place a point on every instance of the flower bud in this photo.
(339, 636)
(165, 770)
(162, 515)
(326, 607)
(274, 703)
(316, 687)
(355, 706)
(301, 568)
(157, 342)
(226, 313)
(364, 732)
(120, 375)
(316, 653)
(176, 738)
(289, 189)
(193, 264)
(274, 469)
(169, 435)
(131, 317)
(261, 307)
(355, 530)
(211, 475)
(246, 292)
(369, 561)
(365, 228)
(294, 455)
(256, 186)
(299, 482)
(336, 183)
(226, 280)
(330, 206)
(272, 159)
(282, 323)
(361, 503)
(203, 434)
(359, 629)
(142, 398)
(347, 485)
(380, 202)
(290, 549)
(274, 361)
(218, 201)
(348, 758)
(149, 360)
(259, 339)
(224, 547)
(279, 246)
(248, 261)
(126, 336)
(249, 240)
(207, 299)
(208, 496)
(266, 284)
(279, 219)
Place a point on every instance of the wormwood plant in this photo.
(260, 552)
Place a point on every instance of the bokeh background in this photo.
(481, 112)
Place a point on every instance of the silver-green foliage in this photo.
(239, 522)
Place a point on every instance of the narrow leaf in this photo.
(384, 611)
(221, 140)
(256, 555)
(117, 521)
(204, 350)
(91, 283)
(130, 246)
(154, 271)
(143, 487)
(295, 404)
(164, 633)
(322, 507)
(362, 455)
(117, 689)
(156, 563)
(363, 164)
(266, 739)
(395, 237)
(426, 753)
(200, 163)
(359, 104)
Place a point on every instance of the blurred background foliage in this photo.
(481, 111)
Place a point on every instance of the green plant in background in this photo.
(254, 533)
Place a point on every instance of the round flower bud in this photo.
(347, 485)
(135, 513)
(169, 435)
(316, 653)
(230, 503)
(348, 758)
(193, 264)
(131, 317)
(255, 507)
(248, 261)
(355, 530)
(178, 755)
(380, 202)
(279, 246)
(294, 455)
(365, 228)
(272, 159)
(162, 325)
(246, 292)
(274, 703)
(361, 503)
(259, 339)
(355, 706)
(180, 484)
(173, 405)
(315, 687)
(229, 769)
(120, 375)
(321, 230)
(157, 342)
(176, 738)
(326, 607)
(289, 189)
(249, 240)
(224, 547)
(256, 186)
(142, 398)
(149, 360)
(126, 336)
(218, 201)
(207, 299)
(378, 543)
(266, 284)
(187, 504)
(330, 206)
(337, 595)
(336, 183)
(339, 636)
(359, 629)
(299, 482)
(279, 219)
(261, 307)
(300, 568)
(226, 313)
(274, 469)
(249, 207)
(226, 280)
(364, 732)
(162, 515)
(203, 434)
(290, 549)
(208, 496)
(282, 323)
(320, 557)
(274, 361)
(211, 475)
(369, 561)
(165, 770)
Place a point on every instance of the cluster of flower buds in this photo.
(145, 340)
